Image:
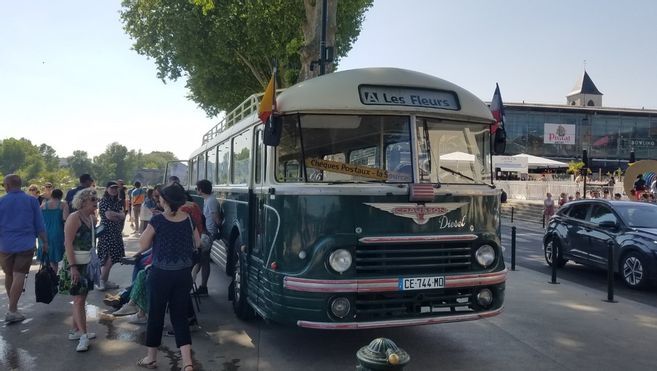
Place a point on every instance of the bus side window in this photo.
(260, 158)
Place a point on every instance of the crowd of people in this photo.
(640, 192)
(81, 237)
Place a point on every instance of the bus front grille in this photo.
(412, 304)
(379, 260)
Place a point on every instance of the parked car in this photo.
(581, 231)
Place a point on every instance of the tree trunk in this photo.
(312, 30)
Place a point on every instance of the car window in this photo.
(639, 215)
(579, 211)
(563, 210)
(602, 214)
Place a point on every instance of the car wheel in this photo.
(549, 246)
(634, 269)
(241, 307)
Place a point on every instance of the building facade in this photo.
(562, 132)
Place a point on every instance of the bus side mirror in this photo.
(272, 132)
(499, 142)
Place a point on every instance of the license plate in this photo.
(422, 283)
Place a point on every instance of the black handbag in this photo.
(46, 283)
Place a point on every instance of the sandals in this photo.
(150, 365)
(188, 367)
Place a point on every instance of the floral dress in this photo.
(81, 242)
(110, 244)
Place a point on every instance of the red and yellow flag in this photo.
(268, 102)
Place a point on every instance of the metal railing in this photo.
(245, 109)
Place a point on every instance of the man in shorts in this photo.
(21, 222)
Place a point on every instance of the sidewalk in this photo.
(543, 327)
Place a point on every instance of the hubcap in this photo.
(632, 271)
(548, 252)
(237, 281)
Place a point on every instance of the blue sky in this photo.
(69, 78)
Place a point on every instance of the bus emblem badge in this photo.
(419, 213)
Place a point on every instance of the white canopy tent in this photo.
(457, 156)
(535, 162)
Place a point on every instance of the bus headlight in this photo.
(340, 260)
(485, 255)
(485, 298)
(340, 307)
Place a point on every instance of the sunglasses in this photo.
(48, 186)
(94, 199)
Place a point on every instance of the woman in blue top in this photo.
(173, 239)
(54, 213)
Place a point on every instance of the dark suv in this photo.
(581, 231)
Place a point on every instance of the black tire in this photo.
(243, 310)
(547, 253)
(634, 270)
(232, 251)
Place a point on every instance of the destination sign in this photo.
(411, 97)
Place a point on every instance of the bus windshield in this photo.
(451, 152)
(371, 148)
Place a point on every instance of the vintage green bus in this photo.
(376, 208)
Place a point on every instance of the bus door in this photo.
(259, 249)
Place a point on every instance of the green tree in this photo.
(49, 156)
(112, 164)
(574, 167)
(13, 153)
(157, 160)
(225, 48)
(80, 163)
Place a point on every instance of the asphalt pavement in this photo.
(543, 327)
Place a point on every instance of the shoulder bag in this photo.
(46, 282)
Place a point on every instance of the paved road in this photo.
(545, 327)
(529, 255)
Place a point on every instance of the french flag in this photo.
(497, 109)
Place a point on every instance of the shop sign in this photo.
(559, 134)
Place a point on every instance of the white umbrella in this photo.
(538, 162)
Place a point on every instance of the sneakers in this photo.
(83, 344)
(106, 285)
(127, 309)
(202, 291)
(76, 335)
(137, 319)
(13, 317)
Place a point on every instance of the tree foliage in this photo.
(225, 48)
(80, 163)
(39, 163)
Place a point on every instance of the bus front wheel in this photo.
(241, 306)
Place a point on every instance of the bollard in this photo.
(513, 248)
(381, 354)
(555, 258)
(511, 214)
(610, 271)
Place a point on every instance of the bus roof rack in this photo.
(245, 109)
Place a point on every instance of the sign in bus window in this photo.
(342, 148)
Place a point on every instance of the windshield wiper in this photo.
(457, 173)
